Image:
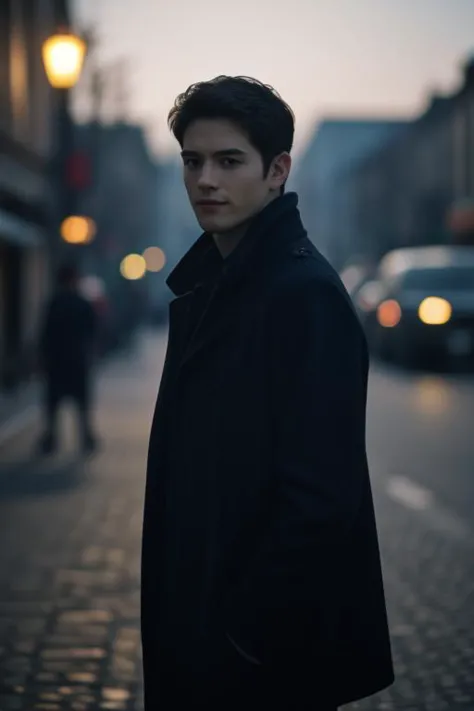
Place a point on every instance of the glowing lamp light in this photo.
(435, 311)
(133, 267)
(155, 259)
(389, 313)
(77, 229)
(63, 57)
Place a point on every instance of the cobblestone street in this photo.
(70, 544)
(69, 556)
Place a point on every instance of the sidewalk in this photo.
(18, 410)
(70, 537)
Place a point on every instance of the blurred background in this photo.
(383, 94)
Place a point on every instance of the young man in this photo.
(261, 585)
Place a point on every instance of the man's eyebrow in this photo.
(230, 152)
(224, 152)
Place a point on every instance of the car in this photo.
(354, 276)
(421, 304)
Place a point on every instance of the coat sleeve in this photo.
(318, 383)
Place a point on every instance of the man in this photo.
(67, 343)
(261, 584)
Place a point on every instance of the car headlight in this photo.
(435, 311)
(389, 313)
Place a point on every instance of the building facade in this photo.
(337, 146)
(27, 146)
(402, 193)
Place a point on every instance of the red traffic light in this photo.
(79, 171)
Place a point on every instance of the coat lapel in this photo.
(217, 320)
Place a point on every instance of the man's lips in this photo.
(210, 203)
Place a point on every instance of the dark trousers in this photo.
(78, 392)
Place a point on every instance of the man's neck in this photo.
(226, 242)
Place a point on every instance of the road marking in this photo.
(15, 424)
(417, 498)
(409, 494)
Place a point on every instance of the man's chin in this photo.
(214, 226)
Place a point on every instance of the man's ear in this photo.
(279, 170)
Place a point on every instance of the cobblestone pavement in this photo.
(69, 556)
(69, 562)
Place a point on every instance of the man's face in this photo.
(224, 175)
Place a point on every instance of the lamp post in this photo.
(63, 58)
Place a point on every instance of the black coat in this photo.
(259, 522)
(67, 342)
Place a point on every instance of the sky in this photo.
(325, 57)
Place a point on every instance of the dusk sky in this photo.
(350, 57)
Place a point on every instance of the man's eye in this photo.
(230, 162)
(190, 162)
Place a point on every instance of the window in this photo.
(450, 278)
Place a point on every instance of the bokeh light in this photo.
(77, 229)
(92, 287)
(435, 311)
(155, 259)
(63, 57)
(133, 267)
(389, 313)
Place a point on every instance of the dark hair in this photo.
(256, 108)
(67, 274)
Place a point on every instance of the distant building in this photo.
(337, 146)
(402, 193)
(121, 196)
(27, 144)
(463, 129)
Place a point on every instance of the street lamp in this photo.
(63, 57)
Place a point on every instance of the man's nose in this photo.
(207, 177)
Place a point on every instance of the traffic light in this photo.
(79, 171)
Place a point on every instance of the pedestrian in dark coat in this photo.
(67, 344)
(261, 576)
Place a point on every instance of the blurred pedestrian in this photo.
(261, 576)
(67, 345)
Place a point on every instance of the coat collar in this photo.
(270, 229)
(268, 234)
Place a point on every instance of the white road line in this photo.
(14, 425)
(415, 497)
(409, 494)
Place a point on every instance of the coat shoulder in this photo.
(303, 277)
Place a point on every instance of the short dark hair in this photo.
(256, 108)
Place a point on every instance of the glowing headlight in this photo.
(435, 311)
